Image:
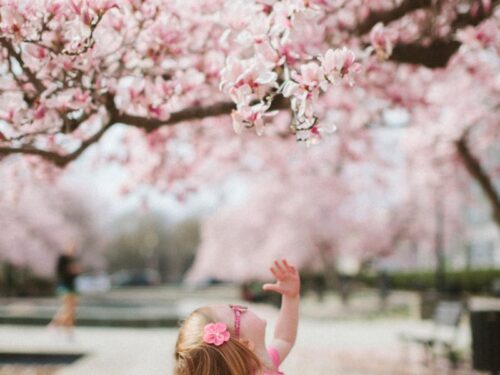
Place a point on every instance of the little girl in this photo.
(230, 339)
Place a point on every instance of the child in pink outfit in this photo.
(230, 339)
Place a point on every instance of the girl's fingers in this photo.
(281, 270)
(278, 272)
(279, 266)
(288, 267)
(279, 275)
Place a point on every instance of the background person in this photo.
(67, 269)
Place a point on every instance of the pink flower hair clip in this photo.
(216, 333)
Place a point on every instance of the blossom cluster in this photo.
(272, 59)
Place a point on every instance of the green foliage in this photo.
(22, 282)
(252, 292)
(477, 281)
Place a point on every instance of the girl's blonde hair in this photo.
(195, 357)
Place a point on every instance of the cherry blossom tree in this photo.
(39, 222)
(72, 70)
(309, 213)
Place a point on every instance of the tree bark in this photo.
(439, 51)
(435, 55)
(478, 173)
(391, 15)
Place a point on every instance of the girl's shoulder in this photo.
(275, 357)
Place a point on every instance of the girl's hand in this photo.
(287, 279)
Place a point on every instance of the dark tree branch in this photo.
(31, 76)
(190, 114)
(435, 55)
(438, 52)
(390, 15)
(478, 173)
(57, 158)
(467, 19)
(61, 160)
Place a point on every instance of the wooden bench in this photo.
(442, 337)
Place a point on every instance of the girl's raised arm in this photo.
(288, 285)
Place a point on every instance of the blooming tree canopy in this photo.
(39, 222)
(316, 210)
(72, 70)
(309, 218)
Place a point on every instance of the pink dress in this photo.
(275, 356)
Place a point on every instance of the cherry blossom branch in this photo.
(148, 124)
(438, 53)
(61, 160)
(31, 76)
(435, 55)
(88, 42)
(474, 19)
(390, 15)
(58, 158)
(26, 135)
(190, 114)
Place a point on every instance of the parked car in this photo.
(138, 277)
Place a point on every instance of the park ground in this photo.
(333, 339)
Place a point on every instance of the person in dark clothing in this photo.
(67, 270)
(66, 275)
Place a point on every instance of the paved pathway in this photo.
(329, 342)
(345, 347)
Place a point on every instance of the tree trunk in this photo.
(440, 272)
(478, 173)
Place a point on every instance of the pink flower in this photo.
(339, 63)
(216, 334)
(382, 40)
(310, 75)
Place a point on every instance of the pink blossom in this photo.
(486, 5)
(289, 88)
(37, 51)
(251, 116)
(339, 63)
(40, 112)
(102, 5)
(310, 76)
(381, 40)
